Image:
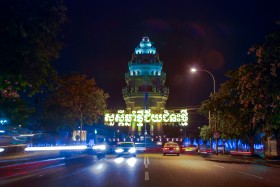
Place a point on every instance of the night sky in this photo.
(101, 36)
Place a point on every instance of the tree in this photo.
(266, 99)
(248, 94)
(16, 110)
(206, 132)
(29, 42)
(56, 117)
(249, 102)
(79, 100)
(229, 117)
(229, 127)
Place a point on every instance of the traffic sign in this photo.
(216, 135)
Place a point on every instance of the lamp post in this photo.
(145, 107)
(214, 82)
(214, 91)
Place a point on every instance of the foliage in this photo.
(15, 110)
(233, 116)
(77, 99)
(55, 117)
(225, 111)
(267, 81)
(29, 42)
(266, 99)
(228, 115)
(249, 102)
(206, 133)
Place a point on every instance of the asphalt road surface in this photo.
(151, 170)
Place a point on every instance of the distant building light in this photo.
(159, 143)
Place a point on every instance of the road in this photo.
(151, 170)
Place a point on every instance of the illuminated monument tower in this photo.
(145, 86)
(145, 96)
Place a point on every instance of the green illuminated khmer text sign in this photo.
(146, 116)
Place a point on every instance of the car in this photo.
(205, 149)
(99, 150)
(12, 144)
(191, 148)
(125, 149)
(171, 148)
(111, 146)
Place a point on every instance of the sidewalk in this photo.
(242, 159)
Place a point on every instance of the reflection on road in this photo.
(119, 160)
(185, 170)
(130, 161)
(99, 168)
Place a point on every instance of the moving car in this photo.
(191, 148)
(111, 146)
(125, 148)
(99, 150)
(171, 148)
(205, 149)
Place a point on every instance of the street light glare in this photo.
(193, 70)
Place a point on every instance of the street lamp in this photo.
(214, 82)
(214, 91)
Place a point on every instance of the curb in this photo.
(240, 161)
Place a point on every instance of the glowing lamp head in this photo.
(193, 70)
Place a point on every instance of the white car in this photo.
(125, 148)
